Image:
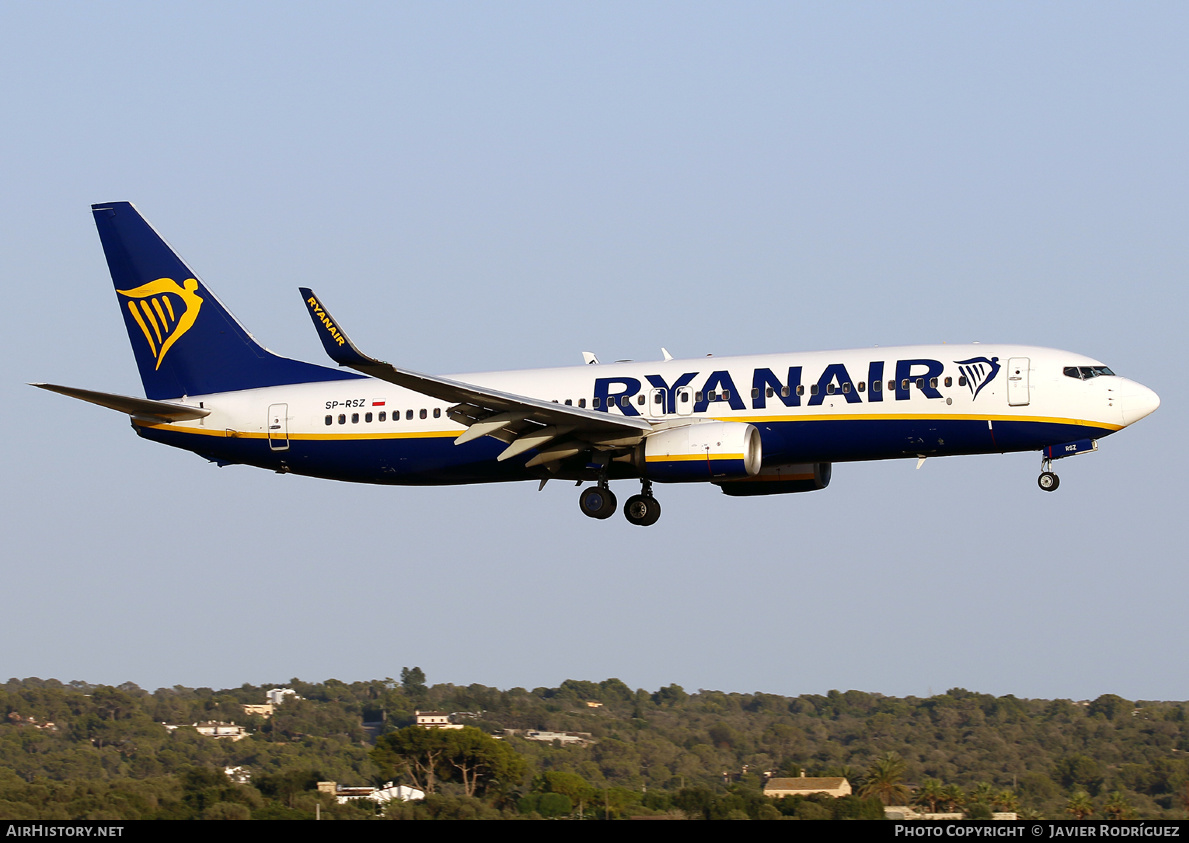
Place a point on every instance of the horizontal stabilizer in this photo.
(141, 408)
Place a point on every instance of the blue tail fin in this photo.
(185, 341)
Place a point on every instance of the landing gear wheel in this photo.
(1048, 481)
(642, 510)
(597, 502)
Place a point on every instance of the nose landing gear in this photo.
(1047, 480)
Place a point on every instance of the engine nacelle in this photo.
(781, 480)
(706, 451)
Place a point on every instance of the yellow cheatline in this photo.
(920, 417)
(222, 433)
(682, 457)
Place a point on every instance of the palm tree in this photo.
(1006, 800)
(884, 780)
(1079, 806)
(1117, 807)
(953, 797)
(929, 794)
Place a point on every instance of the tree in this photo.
(567, 784)
(467, 755)
(1079, 806)
(884, 780)
(478, 759)
(1109, 706)
(413, 681)
(1117, 807)
(929, 794)
(414, 752)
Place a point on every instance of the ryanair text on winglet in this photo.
(325, 319)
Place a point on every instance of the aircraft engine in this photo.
(781, 480)
(709, 451)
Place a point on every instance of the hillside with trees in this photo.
(93, 751)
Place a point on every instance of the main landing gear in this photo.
(1047, 480)
(599, 502)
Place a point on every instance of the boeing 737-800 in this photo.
(757, 425)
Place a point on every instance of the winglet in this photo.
(336, 343)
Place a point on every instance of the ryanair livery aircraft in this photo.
(760, 425)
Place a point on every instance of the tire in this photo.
(1048, 481)
(596, 502)
(642, 510)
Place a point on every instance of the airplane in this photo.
(754, 425)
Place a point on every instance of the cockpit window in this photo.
(1085, 373)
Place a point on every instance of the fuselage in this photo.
(810, 407)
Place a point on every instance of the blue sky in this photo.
(475, 186)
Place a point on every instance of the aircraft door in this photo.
(656, 403)
(278, 427)
(685, 400)
(1017, 381)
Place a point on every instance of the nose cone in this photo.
(1137, 401)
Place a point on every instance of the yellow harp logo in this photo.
(164, 310)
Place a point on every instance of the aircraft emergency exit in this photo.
(756, 425)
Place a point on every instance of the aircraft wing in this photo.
(556, 430)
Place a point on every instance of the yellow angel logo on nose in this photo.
(152, 306)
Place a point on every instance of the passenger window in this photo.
(829, 389)
(569, 402)
(933, 383)
(355, 418)
(904, 384)
(813, 389)
(408, 414)
(755, 392)
(595, 403)
(920, 383)
(383, 415)
(424, 414)
(640, 400)
(862, 385)
(784, 392)
(684, 397)
(582, 403)
(846, 387)
(623, 401)
(877, 386)
(949, 382)
(437, 412)
(342, 418)
(329, 420)
(961, 380)
(368, 418)
(800, 389)
(698, 396)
